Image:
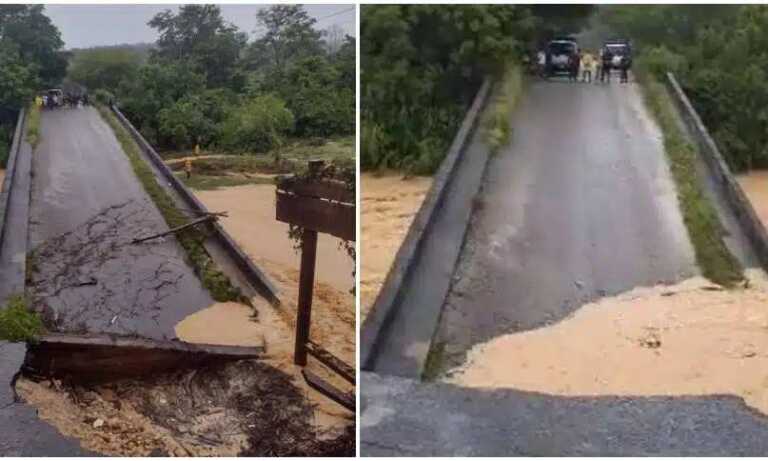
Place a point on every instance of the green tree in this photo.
(421, 65)
(321, 107)
(199, 34)
(288, 34)
(38, 40)
(158, 87)
(18, 81)
(258, 125)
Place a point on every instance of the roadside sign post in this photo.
(316, 204)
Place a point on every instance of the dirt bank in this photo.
(692, 338)
(755, 185)
(389, 204)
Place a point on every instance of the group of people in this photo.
(586, 67)
(589, 67)
(54, 100)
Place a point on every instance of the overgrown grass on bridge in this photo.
(704, 227)
(497, 118)
(18, 322)
(33, 125)
(215, 281)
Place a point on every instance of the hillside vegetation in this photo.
(719, 54)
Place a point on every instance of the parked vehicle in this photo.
(621, 52)
(560, 54)
(54, 98)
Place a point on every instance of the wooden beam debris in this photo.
(346, 400)
(206, 218)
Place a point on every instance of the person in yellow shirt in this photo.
(38, 101)
(588, 67)
(188, 167)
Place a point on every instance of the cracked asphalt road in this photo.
(86, 207)
(580, 205)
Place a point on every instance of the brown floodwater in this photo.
(755, 185)
(252, 222)
(389, 204)
(692, 338)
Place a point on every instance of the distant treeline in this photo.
(203, 81)
(720, 55)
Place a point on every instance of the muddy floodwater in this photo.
(389, 204)
(692, 338)
(755, 185)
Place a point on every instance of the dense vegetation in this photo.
(719, 54)
(204, 82)
(422, 64)
(31, 56)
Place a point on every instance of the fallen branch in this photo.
(210, 217)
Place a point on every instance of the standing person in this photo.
(605, 73)
(587, 63)
(38, 101)
(188, 167)
(575, 65)
(624, 69)
(541, 62)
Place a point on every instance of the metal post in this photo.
(306, 285)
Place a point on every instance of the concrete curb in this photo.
(13, 275)
(255, 276)
(390, 297)
(748, 219)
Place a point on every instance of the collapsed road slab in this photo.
(103, 358)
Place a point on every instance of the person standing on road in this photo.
(605, 73)
(624, 69)
(587, 66)
(575, 64)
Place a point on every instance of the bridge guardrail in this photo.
(13, 278)
(387, 301)
(730, 188)
(255, 276)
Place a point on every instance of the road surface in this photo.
(86, 207)
(580, 205)
(401, 417)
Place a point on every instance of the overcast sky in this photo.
(93, 25)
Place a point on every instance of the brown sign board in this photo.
(321, 215)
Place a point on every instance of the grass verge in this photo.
(18, 322)
(218, 284)
(704, 227)
(33, 125)
(205, 182)
(433, 366)
(497, 123)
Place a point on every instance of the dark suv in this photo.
(621, 53)
(560, 54)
